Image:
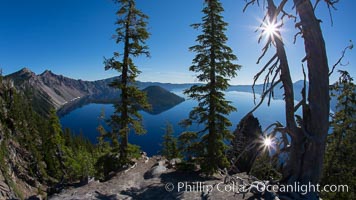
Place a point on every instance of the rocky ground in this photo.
(157, 179)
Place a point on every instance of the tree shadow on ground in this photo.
(169, 181)
(105, 197)
(154, 191)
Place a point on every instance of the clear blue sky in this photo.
(71, 37)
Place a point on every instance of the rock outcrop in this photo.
(167, 184)
(16, 181)
(245, 144)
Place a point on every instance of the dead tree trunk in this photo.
(316, 112)
(308, 144)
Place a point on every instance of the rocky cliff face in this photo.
(50, 90)
(16, 181)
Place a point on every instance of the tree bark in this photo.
(212, 104)
(124, 93)
(308, 144)
(307, 149)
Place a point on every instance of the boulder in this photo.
(156, 171)
(162, 162)
(174, 162)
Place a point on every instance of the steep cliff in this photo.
(20, 173)
(49, 90)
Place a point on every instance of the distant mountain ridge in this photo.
(48, 90)
(51, 90)
(278, 90)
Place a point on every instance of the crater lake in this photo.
(86, 118)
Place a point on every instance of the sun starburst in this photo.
(267, 143)
(270, 29)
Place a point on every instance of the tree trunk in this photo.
(124, 93)
(212, 138)
(308, 144)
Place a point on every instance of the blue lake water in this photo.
(86, 119)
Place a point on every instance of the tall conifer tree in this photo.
(214, 64)
(131, 34)
(339, 169)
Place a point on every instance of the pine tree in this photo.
(169, 145)
(55, 155)
(188, 145)
(339, 163)
(132, 34)
(214, 63)
(53, 147)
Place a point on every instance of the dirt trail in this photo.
(138, 183)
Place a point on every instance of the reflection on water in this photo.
(85, 119)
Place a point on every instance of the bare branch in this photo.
(296, 35)
(263, 96)
(298, 25)
(264, 50)
(251, 2)
(331, 4)
(342, 57)
(278, 128)
(300, 103)
(316, 4)
(286, 14)
(257, 76)
(273, 79)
